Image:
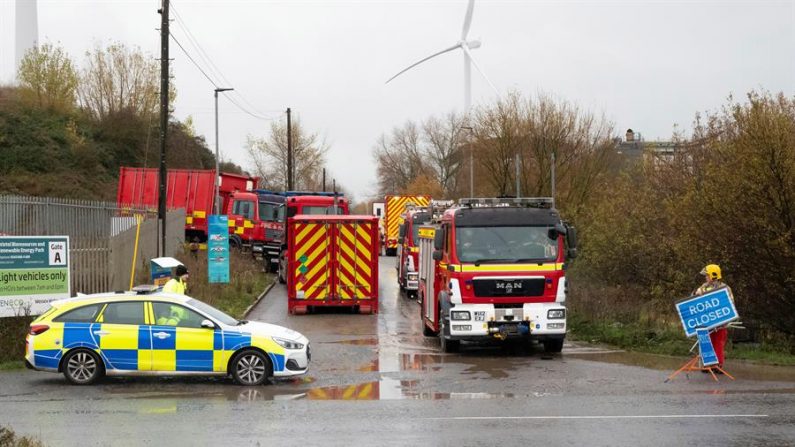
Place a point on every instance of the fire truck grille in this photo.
(505, 287)
(270, 233)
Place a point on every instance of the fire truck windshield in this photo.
(505, 244)
(270, 212)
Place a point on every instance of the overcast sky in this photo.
(643, 64)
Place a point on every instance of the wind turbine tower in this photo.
(27, 29)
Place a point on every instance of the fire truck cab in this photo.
(310, 204)
(495, 269)
(408, 250)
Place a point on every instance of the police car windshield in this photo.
(505, 244)
(213, 312)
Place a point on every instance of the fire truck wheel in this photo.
(428, 332)
(447, 346)
(553, 346)
(280, 274)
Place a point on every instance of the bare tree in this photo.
(399, 158)
(269, 156)
(498, 137)
(118, 78)
(48, 77)
(443, 150)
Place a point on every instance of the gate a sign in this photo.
(34, 271)
(707, 311)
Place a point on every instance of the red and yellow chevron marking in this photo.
(395, 207)
(312, 255)
(354, 257)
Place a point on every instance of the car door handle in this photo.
(161, 335)
(101, 332)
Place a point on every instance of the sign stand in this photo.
(705, 360)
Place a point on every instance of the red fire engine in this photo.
(495, 269)
(407, 261)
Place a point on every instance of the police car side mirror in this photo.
(437, 255)
(208, 324)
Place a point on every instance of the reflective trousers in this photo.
(719, 337)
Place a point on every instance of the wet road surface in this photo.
(376, 379)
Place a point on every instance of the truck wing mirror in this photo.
(400, 240)
(291, 211)
(437, 255)
(571, 237)
(438, 240)
(276, 214)
(402, 231)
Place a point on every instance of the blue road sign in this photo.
(707, 311)
(218, 249)
(705, 348)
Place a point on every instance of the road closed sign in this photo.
(34, 271)
(707, 311)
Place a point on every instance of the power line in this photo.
(217, 73)
(231, 99)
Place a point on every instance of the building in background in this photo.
(635, 148)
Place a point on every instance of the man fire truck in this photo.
(495, 269)
(407, 261)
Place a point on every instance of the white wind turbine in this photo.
(465, 46)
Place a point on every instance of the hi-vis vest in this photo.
(175, 285)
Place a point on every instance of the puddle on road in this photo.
(739, 369)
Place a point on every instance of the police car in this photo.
(150, 332)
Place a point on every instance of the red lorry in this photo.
(496, 269)
(193, 190)
(332, 261)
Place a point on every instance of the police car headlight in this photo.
(460, 315)
(288, 344)
(556, 314)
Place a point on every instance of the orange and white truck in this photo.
(496, 269)
(394, 208)
(332, 261)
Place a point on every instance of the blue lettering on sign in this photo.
(705, 348)
(707, 311)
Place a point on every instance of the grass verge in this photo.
(643, 338)
(11, 439)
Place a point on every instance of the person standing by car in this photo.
(713, 282)
(178, 284)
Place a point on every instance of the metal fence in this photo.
(90, 226)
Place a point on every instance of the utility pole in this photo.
(324, 179)
(553, 179)
(518, 193)
(217, 171)
(161, 203)
(471, 162)
(289, 152)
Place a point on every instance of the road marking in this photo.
(648, 416)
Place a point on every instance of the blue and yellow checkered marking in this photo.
(146, 348)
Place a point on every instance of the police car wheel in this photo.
(251, 368)
(82, 367)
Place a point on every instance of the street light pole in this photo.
(217, 172)
(471, 163)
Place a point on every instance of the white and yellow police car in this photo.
(150, 332)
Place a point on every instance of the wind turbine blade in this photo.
(458, 45)
(477, 67)
(467, 20)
